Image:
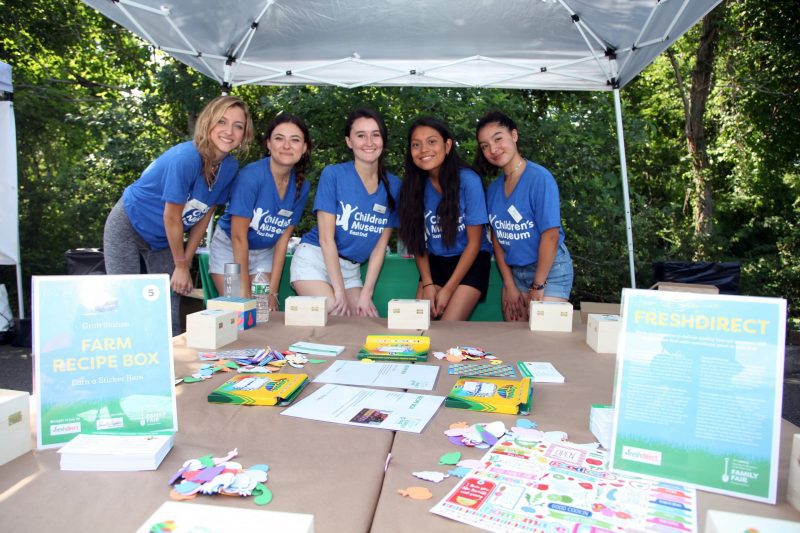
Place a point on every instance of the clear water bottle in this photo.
(232, 285)
(260, 289)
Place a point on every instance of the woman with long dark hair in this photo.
(267, 202)
(442, 222)
(525, 215)
(178, 193)
(356, 210)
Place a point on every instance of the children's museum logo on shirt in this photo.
(513, 231)
(343, 219)
(193, 211)
(361, 224)
(267, 225)
(434, 231)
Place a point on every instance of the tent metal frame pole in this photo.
(20, 296)
(623, 167)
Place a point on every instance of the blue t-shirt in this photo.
(519, 220)
(255, 196)
(175, 177)
(472, 212)
(360, 217)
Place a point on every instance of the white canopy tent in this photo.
(9, 236)
(598, 45)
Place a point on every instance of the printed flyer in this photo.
(102, 352)
(554, 487)
(698, 390)
(374, 408)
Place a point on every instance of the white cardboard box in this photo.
(211, 329)
(602, 332)
(306, 311)
(15, 424)
(550, 316)
(409, 314)
(725, 522)
(685, 287)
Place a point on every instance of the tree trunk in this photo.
(694, 111)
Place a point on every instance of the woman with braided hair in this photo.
(267, 202)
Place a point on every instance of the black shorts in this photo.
(477, 276)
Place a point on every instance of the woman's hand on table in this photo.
(339, 306)
(366, 307)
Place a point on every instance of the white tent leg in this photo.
(624, 176)
(20, 299)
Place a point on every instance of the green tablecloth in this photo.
(398, 279)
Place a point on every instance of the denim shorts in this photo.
(559, 280)
(308, 264)
(221, 252)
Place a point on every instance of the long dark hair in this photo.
(368, 112)
(492, 117)
(305, 160)
(412, 193)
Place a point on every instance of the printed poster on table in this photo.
(102, 356)
(549, 487)
(698, 390)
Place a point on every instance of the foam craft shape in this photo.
(416, 493)
(496, 428)
(428, 475)
(451, 458)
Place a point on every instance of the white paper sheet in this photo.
(356, 406)
(397, 375)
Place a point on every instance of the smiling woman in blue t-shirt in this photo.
(176, 194)
(267, 201)
(525, 217)
(356, 211)
(442, 222)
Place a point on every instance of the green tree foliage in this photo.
(95, 105)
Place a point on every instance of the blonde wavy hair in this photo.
(208, 118)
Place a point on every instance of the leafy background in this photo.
(94, 105)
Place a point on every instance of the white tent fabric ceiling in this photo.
(525, 44)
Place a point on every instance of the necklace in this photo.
(513, 170)
(213, 180)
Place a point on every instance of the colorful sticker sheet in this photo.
(539, 486)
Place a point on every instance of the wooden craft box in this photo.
(409, 314)
(550, 316)
(211, 329)
(306, 311)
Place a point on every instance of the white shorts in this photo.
(221, 252)
(308, 264)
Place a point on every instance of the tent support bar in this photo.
(623, 165)
(20, 296)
